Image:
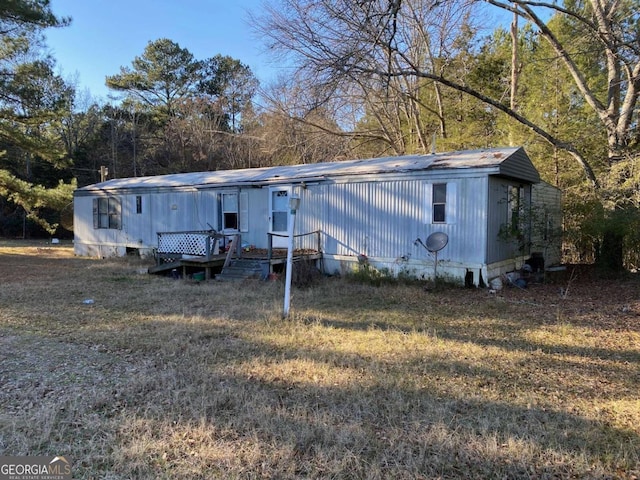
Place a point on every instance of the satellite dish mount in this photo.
(435, 242)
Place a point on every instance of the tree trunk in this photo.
(513, 103)
(609, 255)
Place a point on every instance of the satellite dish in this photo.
(437, 241)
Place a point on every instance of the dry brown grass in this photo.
(161, 378)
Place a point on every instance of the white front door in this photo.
(279, 215)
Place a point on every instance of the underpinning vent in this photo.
(175, 245)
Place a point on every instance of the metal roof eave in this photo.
(509, 162)
(341, 178)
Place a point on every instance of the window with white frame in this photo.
(107, 213)
(230, 211)
(439, 202)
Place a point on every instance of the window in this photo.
(517, 225)
(279, 210)
(515, 207)
(230, 211)
(107, 213)
(138, 204)
(439, 202)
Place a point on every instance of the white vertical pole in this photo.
(287, 286)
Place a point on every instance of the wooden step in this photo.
(241, 269)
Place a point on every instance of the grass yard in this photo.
(161, 378)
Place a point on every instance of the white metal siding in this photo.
(467, 229)
(384, 219)
(465, 222)
(377, 215)
(84, 231)
(135, 225)
(161, 212)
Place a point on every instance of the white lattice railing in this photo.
(175, 245)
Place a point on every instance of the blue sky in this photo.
(107, 34)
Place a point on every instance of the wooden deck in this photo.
(215, 263)
(187, 252)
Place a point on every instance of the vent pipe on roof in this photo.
(433, 144)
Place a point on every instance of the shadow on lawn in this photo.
(509, 334)
(193, 410)
(194, 395)
(377, 427)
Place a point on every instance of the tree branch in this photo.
(569, 148)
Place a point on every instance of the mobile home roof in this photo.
(512, 162)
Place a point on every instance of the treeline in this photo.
(179, 114)
(367, 79)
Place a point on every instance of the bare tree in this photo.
(342, 47)
(195, 135)
(298, 128)
(613, 24)
(335, 42)
(347, 59)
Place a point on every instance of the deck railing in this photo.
(271, 235)
(175, 245)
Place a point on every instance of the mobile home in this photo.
(382, 210)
